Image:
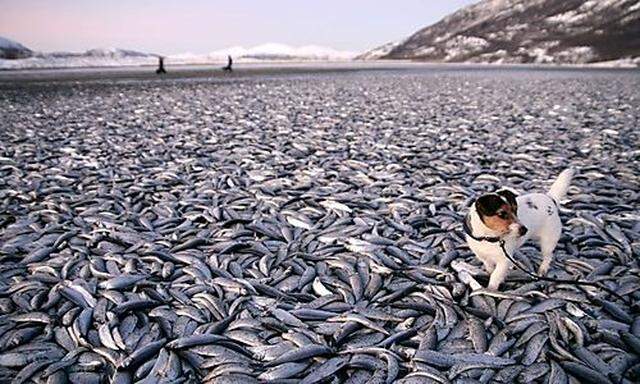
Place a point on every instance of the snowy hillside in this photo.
(266, 52)
(273, 51)
(378, 52)
(10, 49)
(103, 57)
(529, 31)
(120, 57)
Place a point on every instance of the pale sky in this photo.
(200, 26)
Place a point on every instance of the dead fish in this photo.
(302, 353)
(283, 371)
(446, 360)
(121, 282)
(325, 370)
(148, 234)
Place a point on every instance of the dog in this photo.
(501, 222)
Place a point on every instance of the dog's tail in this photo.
(559, 187)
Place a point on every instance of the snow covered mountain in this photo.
(115, 53)
(528, 31)
(266, 52)
(10, 49)
(273, 51)
(120, 57)
(103, 57)
(378, 52)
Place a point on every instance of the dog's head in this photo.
(499, 212)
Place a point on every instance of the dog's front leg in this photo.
(499, 274)
(489, 264)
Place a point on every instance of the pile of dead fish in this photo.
(308, 229)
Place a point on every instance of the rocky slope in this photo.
(378, 52)
(528, 31)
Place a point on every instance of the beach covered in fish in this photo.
(308, 228)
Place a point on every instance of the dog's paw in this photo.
(543, 270)
(493, 286)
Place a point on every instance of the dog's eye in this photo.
(503, 215)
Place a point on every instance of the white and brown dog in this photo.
(504, 218)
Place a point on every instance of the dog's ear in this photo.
(488, 205)
(510, 197)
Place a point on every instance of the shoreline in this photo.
(242, 70)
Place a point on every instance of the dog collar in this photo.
(466, 226)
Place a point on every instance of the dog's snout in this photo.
(523, 230)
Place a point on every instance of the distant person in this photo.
(160, 69)
(229, 64)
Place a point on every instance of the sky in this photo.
(200, 26)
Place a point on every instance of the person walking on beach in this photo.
(160, 69)
(229, 64)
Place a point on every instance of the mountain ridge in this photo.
(528, 31)
(12, 50)
(106, 57)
